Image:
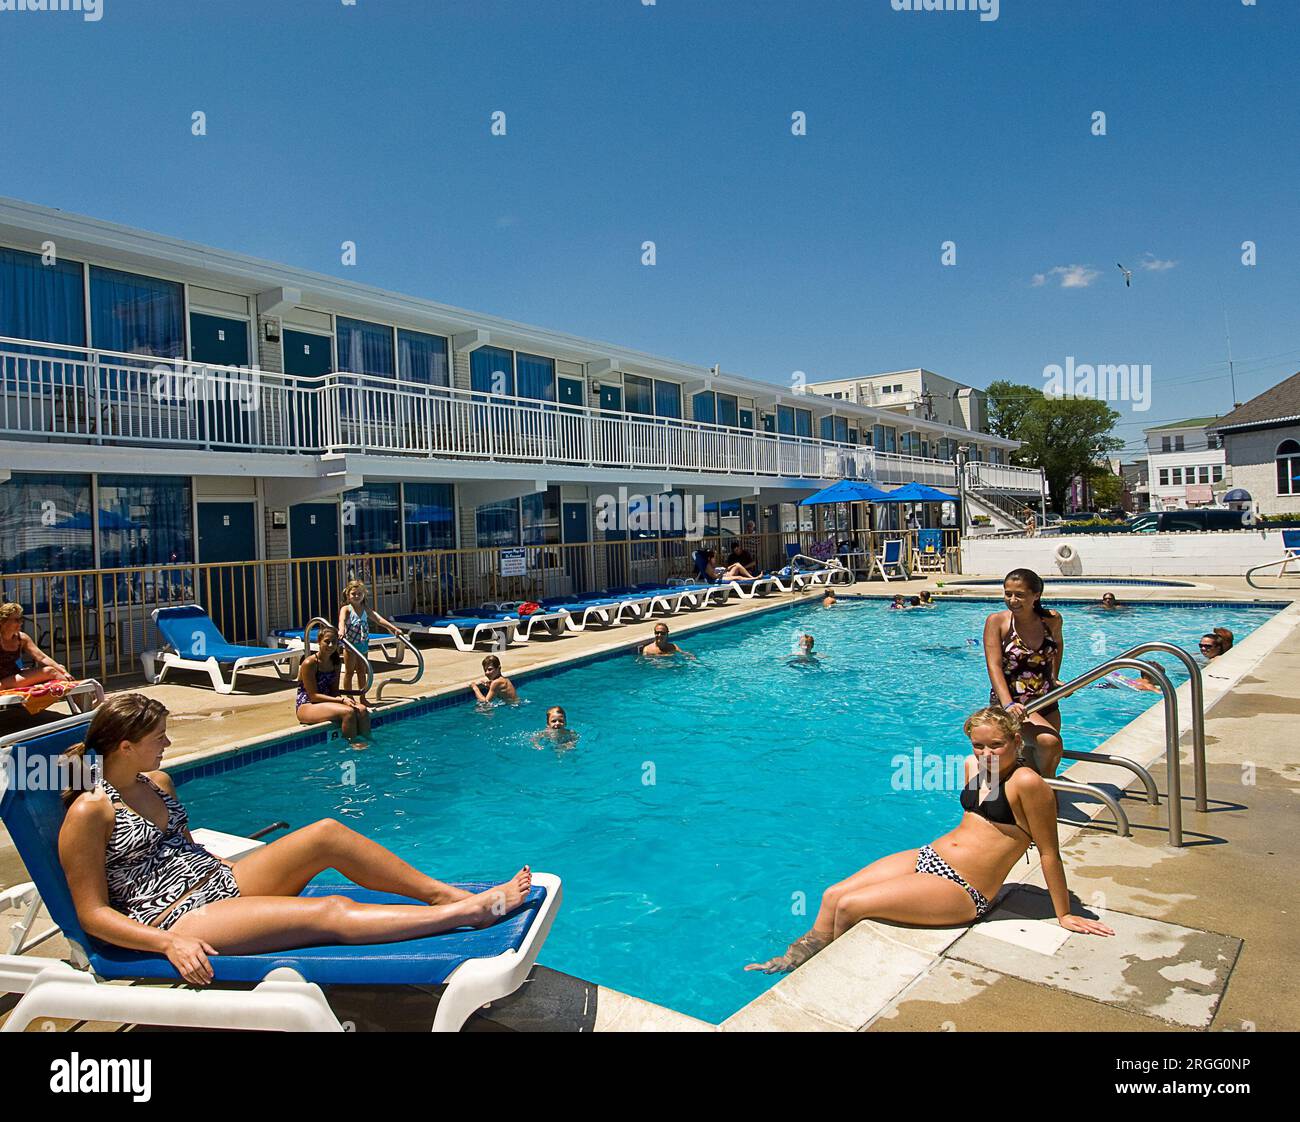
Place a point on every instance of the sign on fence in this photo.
(514, 563)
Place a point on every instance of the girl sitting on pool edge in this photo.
(318, 691)
(1006, 808)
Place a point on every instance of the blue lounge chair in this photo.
(927, 554)
(891, 560)
(1290, 548)
(584, 610)
(392, 648)
(650, 599)
(466, 632)
(192, 642)
(477, 966)
(547, 622)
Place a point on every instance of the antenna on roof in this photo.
(1232, 376)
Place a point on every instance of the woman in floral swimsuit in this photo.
(1023, 646)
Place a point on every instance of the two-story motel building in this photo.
(218, 409)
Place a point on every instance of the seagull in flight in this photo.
(1128, 275)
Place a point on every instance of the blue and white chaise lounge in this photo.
(392, 648)
(583, 611)
(476, 966)
(192, 642)
(466, 632)
(548, 622)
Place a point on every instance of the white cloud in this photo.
(1153, 263)
(1072, 276)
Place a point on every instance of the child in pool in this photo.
(494, 684)
(806, 652)
(830, 599)
(898, 605)
(557, 730)
(926, 600)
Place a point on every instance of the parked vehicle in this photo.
(1166, 521)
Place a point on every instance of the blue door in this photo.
(315, 578)
(576, 561)
(229, 591)
(227, 402)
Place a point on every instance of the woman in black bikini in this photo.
(1023, 646)
(1006, 808)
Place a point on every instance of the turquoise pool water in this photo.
(702, 797)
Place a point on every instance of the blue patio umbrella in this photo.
(846, 491)
(1237, 495)
(917, 493)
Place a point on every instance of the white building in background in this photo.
(1187, 466)
(935, 413)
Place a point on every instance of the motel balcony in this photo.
(54, 399)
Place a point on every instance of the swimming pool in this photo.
(703, 800)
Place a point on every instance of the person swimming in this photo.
(662, 646)
(1005, 808)
(830, 599)
(1108, 601)
(493, 685)
(557, 733)
(804, 652)
(926, 600)
(898, 604)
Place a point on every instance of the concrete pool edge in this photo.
(863, 974)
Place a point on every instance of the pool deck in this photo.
(1196, 948)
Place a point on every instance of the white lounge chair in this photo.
(466, 632)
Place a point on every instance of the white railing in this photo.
(1003, 477)
(62, 394)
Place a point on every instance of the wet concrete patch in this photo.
(1159, 969)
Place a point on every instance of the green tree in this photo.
(1064, 436)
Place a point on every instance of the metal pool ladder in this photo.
(1130, 660)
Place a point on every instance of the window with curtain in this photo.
(728, 410)
(638, 395)
(1288, 468)
(45, 302)
(422, 358)
(541, 517)
(370, 519)
(668, 399)
(364, 348)
(497, 524)
(145, 520)
(803, 422)
(135, 314)
(429, 515)
(492, 370)
(535, 376)
(704, 408)
(45, 525)
(785, 420)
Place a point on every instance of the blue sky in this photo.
(670, 122)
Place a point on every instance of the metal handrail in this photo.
(1283, 561)
(1198, 712)
(1122, 827)
(365, 659)
(1174, 779)
(419, 668)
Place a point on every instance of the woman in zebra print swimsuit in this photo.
(140, 881)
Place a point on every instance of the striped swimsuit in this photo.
(156, 876)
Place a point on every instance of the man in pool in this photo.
(663, 646)
(830, 599)
(1108, 601)
(494, 684)
(1006, 808)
